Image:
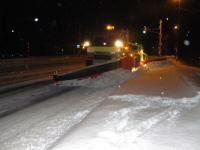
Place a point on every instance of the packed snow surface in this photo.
(93, 116)
(138, 122)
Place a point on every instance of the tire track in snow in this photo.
(44, 133)
(51, 130)
(121, 130)
(125, 131)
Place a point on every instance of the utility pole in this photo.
(179, 32)
(159, 32)
(28, 48)
(160, 37)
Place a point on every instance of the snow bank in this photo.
(107, 79)
(159, 101)
(111, 78)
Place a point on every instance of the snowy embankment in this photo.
(112, 78)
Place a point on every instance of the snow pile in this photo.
(107, 79)
(111, 78)
(159, 101)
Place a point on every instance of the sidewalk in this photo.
(165, 81)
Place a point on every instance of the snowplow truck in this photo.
(102, 47)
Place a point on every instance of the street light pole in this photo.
(179, 10)
(158, 31)
(179, 32)
(160, 37)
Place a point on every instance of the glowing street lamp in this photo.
(176, 27)
(110, 27)
(145, 30)
(104, 43)
(36, 19)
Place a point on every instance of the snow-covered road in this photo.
(152, 109)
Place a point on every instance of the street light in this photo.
(36, 19)
(177, 27)
(110, 27)
(104, 43)
(158, 31)
(144, 30)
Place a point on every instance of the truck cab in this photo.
(102, 48)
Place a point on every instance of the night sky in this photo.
(63, 23)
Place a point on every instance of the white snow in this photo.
(95, 116)
(43, 124)
(40, 126)
(132, 121)
(107, 79)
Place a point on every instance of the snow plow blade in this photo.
(90, 70)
